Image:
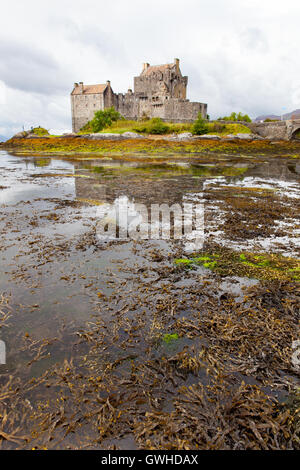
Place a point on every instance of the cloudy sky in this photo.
(240, 55)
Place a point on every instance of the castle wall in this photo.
(109, 97)
(128, 105)
(83, 109)
(184, 110)
(160, 85)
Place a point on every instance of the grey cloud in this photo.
(236, 54)
(30, 69)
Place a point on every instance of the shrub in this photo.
(87, 128)
(153, 126)
(200, 126)
(157, 126)
(102, 119)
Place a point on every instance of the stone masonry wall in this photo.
(279, 130)
(83, 109)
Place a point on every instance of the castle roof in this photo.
(157, 68)
(89, 89)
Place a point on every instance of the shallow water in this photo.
(50, 266)
(60, 279)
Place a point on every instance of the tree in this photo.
(200, 126)
(236, 117)
(104, 119)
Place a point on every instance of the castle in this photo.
(159, 91)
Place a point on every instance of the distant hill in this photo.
(293, 115)
(2, 138)
(266, 116)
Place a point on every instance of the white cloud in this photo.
(239, 56)
(2, 93)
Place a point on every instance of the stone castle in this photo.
(159, 91)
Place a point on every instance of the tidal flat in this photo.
(148, 344)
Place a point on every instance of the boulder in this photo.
(34, 136)
(106, 136)
(184, 136)
(132, 135)
(209, 137)
(21, 135)
(68, 135)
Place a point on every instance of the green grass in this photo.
(40, 131)
(228, 129)
(215, 128)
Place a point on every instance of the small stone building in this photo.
(159, 91)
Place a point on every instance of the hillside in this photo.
(292, 115)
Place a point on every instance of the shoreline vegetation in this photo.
(105, 145)
(113, 136)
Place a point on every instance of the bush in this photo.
(236, 117)
(87, 128)
(200, 126)
(153, 126)
(102, 119)
(157, 126)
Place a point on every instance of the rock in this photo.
(244, 136)
(229, 137)
(257, 137)
(34, 136)
(68, 135)
(110, 136)
(184, 136)
(241, 136)
(209, 137)
(106, 136)
(132, 135)
(21, 135)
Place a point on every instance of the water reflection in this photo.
(50, 263)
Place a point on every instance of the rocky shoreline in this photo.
(134, 146)
(184, 136)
